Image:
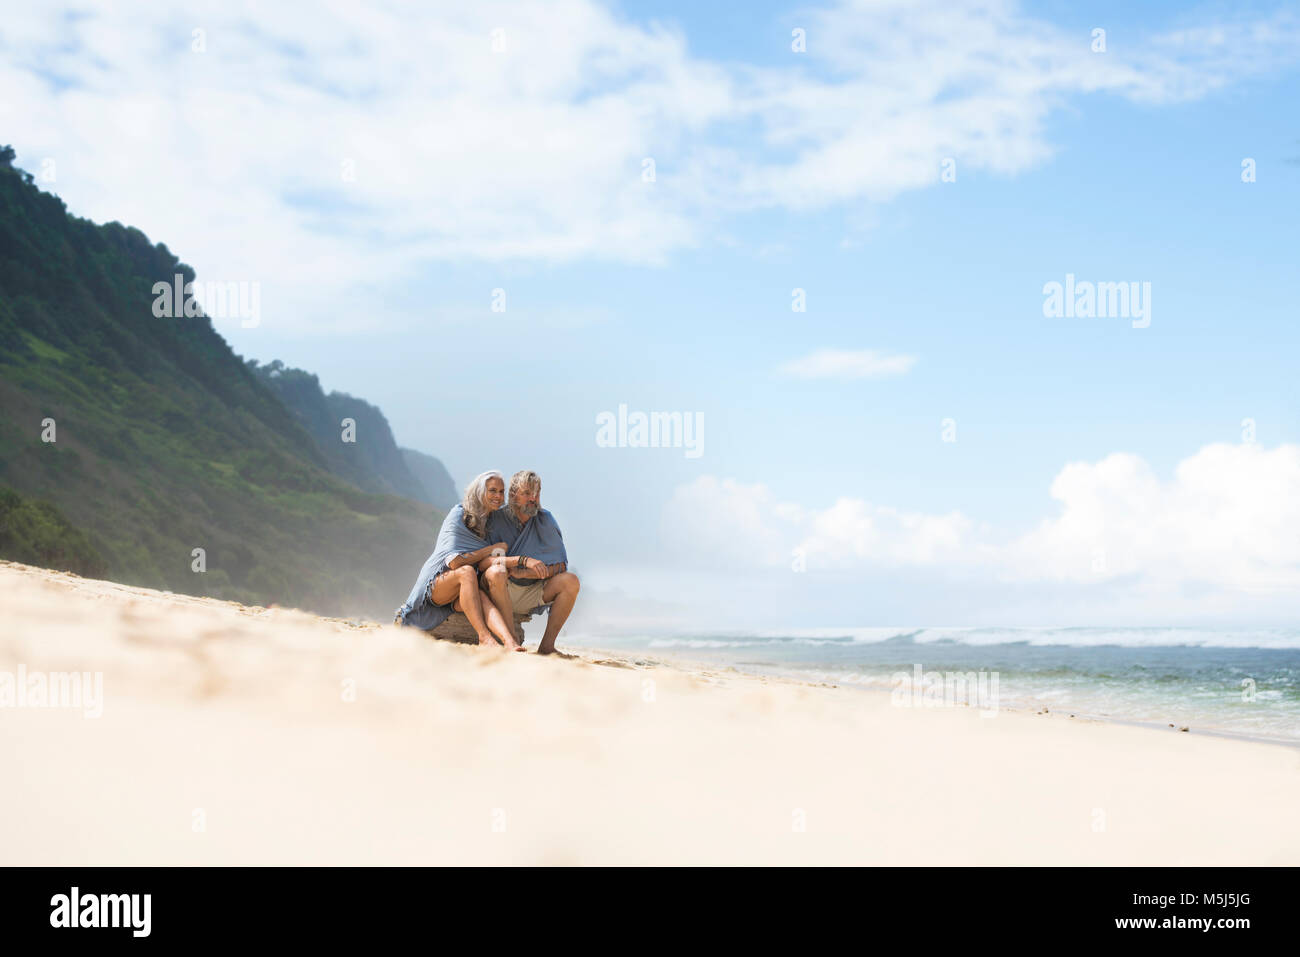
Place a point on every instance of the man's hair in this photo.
(525, 478)
(476, 510)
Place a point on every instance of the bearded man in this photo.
(538, 579)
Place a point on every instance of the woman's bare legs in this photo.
(460, 586)
(497, 624)
(496, 606)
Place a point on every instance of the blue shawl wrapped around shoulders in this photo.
(540, 538)
(453, 539)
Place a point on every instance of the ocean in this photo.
(1236, 682)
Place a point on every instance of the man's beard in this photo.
(528, 510)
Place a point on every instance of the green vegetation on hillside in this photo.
(439, 489)
(163, 439)
(373, 461)
(36, 533)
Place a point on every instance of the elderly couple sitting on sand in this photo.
(493, 563)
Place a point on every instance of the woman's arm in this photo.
(474, 557)
(515, 564)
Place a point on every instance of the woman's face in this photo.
(494, 493)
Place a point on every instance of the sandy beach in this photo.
(243, 735)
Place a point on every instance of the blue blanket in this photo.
(453, 539)
(540, 538)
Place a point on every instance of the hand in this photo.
(535, 568)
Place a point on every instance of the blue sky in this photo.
(774, 170)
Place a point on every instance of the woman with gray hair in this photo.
(449, 579)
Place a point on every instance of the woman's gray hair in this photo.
(476, 510)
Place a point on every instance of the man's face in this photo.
(494, 493)
(526, 501)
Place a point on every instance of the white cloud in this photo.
(1228, 519)
(723, 519)
(845, 364)
(745, 524)
(234, 156)
(901, 85)
(1230, 516)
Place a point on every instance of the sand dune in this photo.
(236, 735)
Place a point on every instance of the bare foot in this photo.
(553, 651)
(488, 640)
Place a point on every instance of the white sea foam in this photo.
(1235, 680)
(1278, 638)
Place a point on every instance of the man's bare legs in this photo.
(497, 606)
(560, 592)
(461, 584)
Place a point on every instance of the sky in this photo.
(825, 234)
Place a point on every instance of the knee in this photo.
(466, 575)
(496, 575)
(570, 582)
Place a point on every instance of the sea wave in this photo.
(1277, 638)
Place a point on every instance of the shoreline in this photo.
(246, 735)
(1199, 724)
(1015, 706)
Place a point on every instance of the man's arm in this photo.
(533, 568)
(553, 570)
